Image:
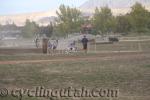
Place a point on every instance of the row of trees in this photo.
(31, 29)
(69, 20)
(8, 27)
(103, 21)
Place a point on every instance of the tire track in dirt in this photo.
(86, 58)
(54, 60)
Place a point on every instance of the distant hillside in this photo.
(20, 19)
(44, 18)
(117, 6)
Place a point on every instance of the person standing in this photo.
(85, 42)
(54, 46)
(49, 47)
(37, 42)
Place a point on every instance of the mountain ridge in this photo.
(113, 3)
(19, 19)
(88, 8)
(117, 6)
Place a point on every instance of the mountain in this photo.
(44, 18)
(117, 6)
(19, 19)
(47, 20)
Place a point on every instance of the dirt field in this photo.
(64, 58)
(11, 51)
(127, 70)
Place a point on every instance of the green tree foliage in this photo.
(139, 18)
(137, 21)
(30, 29)
(69, 19)
(8, 27)
(123, 24)
(103, 20)
(47, 30)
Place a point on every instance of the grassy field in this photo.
(122, 46)
(127, 72)
(130, 74)
(125, 44)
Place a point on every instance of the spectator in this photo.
(49, 47)
(37, 42)
(85, 42)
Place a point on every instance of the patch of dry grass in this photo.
(130, 76)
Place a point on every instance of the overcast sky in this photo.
(25, 6)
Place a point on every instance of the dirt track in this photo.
(97, 57)
(19, 51)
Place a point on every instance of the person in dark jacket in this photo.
(85, 42)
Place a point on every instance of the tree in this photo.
(103, 20)
(47, 30)
(123, 24)
(69, 19)
(30, 29)
(139, 18)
